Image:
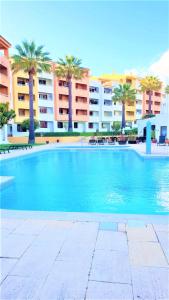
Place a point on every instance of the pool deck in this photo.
(82, 256)
(157, 151)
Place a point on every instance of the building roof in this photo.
(4, 44)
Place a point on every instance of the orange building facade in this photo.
(80, 102)
(4, 71)
(155, 102)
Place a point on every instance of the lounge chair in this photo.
(161, 141)
(20, 146)
(100, 142)
(4, 150)
(111, 142)
(92, 142)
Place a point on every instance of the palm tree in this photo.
(32, 60)
(6, 115)
(124, 94)
(150, 84)
(167, 89)
(69, 68)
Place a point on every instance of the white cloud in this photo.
(159, 68)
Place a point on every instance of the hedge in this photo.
(62, 134)
(48, 134)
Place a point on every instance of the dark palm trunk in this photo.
(31, 112)
(123, 123)
(149, 102)
(70, 125)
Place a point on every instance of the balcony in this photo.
(46, 116)
(4, 98)
(4, 80)
(45, 102)
(62, 90)
(4, 61)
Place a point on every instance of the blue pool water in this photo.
(110, 181)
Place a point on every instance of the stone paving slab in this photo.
(163, 237)
(110, 266)
(10, 223)
(150, 283)
(36, 262)
(67, 280)
(50, 259)
(147, 254)
(141, 234)
(20, 288)
(6, 265)
(30, 227)
(15, 245)
(108, 240)
(108, 291)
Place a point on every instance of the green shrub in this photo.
(49, 134)
(148, 116)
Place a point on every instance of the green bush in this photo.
(49, 134)
(148, 116)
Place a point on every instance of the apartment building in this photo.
(155, 102)
(5, 74)
(46, 102)
(80, 103)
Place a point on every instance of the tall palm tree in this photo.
(32, 60)
(69, 68)
(167, 89)
(150, 84)
(124, 93)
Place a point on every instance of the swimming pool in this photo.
(105, 181)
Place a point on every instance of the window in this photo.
(108, 114)
(76, 125)
(21, 97)
(81, 99)
(63, 83)
(94, 113)
(81, 112)
(90, 125)
(81, 86)
(157, 112)
(63, 111)
(93, 89)
(60, 124)
(21, 112)
(22, 81)
(94, 101)
(157, 94)
(157, 103)
(43, 124)
(43, 110)
(107, 91)
(63, 97)
(138, 111)
(108, 102)
(43, 96)
(42, 81)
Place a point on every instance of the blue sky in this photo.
(107, 35)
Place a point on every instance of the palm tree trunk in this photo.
(123, 123)
(31, 112)
(70, 124)
(149, 102)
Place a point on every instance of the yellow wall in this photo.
(109, 79)
(24, 90)
(40, 140)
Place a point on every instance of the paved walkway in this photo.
(159, 151)
(118, 260)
